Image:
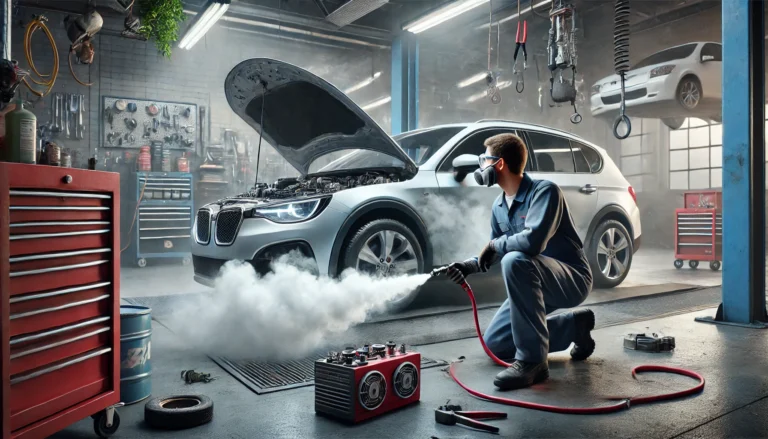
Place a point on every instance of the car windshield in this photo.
(668, 55)
(419, 145)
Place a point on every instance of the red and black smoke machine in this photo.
(359, 384)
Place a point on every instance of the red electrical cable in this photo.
(624, 403)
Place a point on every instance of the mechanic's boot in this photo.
(522, 374)
(584, 345)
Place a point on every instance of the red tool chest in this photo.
(59, 297)
(699, 230)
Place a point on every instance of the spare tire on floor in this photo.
(178, 412)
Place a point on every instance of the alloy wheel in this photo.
(387, 253)
(690, 94)
(613, 253)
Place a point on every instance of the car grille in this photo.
(203, 226)
(207, 267)
(227, 225)
(615, 99)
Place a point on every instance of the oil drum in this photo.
(135, 352)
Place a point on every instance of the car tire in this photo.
(605, 247)
(370, 235)
(178, 412)
(689, 93)
(673, 122)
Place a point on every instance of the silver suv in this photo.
(385, 204)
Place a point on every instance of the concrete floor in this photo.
(732, 403)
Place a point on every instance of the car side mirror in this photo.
(463, 165)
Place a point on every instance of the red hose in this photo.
(624, 403)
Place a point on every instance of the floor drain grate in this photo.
(267, 377)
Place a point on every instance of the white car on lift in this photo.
(672, 84)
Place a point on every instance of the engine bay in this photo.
(292, 187)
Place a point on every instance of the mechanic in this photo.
(543, 264)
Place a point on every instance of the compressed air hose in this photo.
(621, 404)
(46, 80)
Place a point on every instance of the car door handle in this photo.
(588, 189)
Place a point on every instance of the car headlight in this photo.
(596, 89)
(662, 70)
(292, 212)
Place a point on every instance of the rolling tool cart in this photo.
(164, 217)
(59, 299)
(699, 230)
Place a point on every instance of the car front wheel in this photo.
(386, 247)
(610, 254)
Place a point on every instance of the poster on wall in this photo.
(132, 123)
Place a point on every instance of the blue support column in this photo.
(405, 83)
(743, 287)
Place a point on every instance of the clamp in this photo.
(649, 343)
(452, 415)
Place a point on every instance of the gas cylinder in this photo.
(20, 135)
(182, 164)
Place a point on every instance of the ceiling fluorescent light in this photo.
(443, 14)
(515, 15)
(212, 14)
(472, 79)
(377, 103)
(362, 84)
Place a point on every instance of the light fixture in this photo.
(443, 14)
(472, 79)
(205, 21)
(476, 97)
(362, 84)
(377, 103)
(515, 15)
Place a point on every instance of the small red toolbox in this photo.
(699, 230)
(59, 299)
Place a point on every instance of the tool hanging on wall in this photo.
(80, 31)
(561, 50)
(46, 80)
(492, 78)
(621, 61)
(520, 38)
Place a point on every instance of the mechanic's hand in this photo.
(457, 271)
(487, 255)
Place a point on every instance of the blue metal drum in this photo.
(135, 347)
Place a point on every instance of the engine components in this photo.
(292, 187)
(561, 51)
(621, 60)
(356, 385)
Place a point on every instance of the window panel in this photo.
(678, 180)
(716, 157)
(698, 137)
(716, 134)
(649, 164)
(678, 139)
(716, 177)
(632, 145)
(699, 179)
(553, 153)
(694, 122)
(592, 156)
(698, 158)
(678, 160)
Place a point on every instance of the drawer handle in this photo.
(58, 308)
(39, 335)
(59, 366)
(66, 208)
(60, 223)
(17, 299)
(58, 255)
(57, 235)
(57, 344)
(59, 268)
(59, 194)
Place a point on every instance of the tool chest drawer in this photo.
(698, 234)
(59, 299)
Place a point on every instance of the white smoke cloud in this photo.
(458, 228)
(285, 314)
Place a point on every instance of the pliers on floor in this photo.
(452, 415)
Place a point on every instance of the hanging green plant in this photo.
(160, 21)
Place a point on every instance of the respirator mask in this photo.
(486, 176)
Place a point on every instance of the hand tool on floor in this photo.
(622, 403)
(452, 415)
(649, 343)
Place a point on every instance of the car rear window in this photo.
(583, 153)
(667, 55)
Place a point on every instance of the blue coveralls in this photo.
(544, 269)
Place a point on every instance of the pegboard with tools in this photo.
(131, 123)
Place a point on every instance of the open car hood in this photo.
(304, 117)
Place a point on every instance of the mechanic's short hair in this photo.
(511, 148)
